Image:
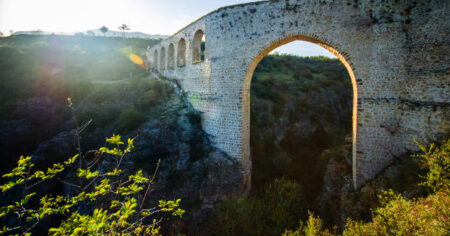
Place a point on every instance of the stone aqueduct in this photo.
(396, 52)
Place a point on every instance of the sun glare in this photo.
(138, 60)
(69, 16)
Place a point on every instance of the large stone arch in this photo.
(395, 50)
(245, 100)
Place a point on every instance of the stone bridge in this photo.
(396, 53)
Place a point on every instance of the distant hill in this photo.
(96, 32)
(127, 34)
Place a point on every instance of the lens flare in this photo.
(138, 60)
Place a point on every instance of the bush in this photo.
(427, 216)
(398, 216)
(156, 92)
(278, 207)
(105, 199)
(437, 161)
(119, 199)
(314, 227)
(130, 119)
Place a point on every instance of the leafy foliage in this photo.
(428, 216)
(130, 119)
(279, 206)
(398, 216)
(118, 199)
(313, 227)
(437, 160)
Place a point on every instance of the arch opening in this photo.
(198, 47)
(155, 60)
(171, 58)
(247, 109)
(162, 60)
(181, 53)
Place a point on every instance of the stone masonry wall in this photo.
(396, 52)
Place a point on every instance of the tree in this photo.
(124, 28)
(437, 160)
(1, 34)
(397, 215)
(100, 182)
(104, 29)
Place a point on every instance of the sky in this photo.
(148, 16)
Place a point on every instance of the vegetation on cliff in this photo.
(301, 151)
(428, 215)
(106, 198)
(300, 125)
(300, 106)
(95, 73)
(38, 73)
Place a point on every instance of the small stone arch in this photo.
(245, 99)
(181, 53)
(162, 60)
(198, 52)
(171, 57)
(155, 59)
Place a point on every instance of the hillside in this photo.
(300, 129)
(39, 73)
(95, 32)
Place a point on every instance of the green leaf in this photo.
(115, 139)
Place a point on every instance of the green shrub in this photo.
(156, 92)
(278, 207)
(398, 216)
(426, 216)
(313, 227)
(118, 197)
(130, 119)
(437, 161)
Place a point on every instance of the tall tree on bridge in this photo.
(124, 28)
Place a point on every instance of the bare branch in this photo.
(150, 184)
(65, 182)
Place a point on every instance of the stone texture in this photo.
(396, 52)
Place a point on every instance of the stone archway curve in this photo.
(345, 60)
